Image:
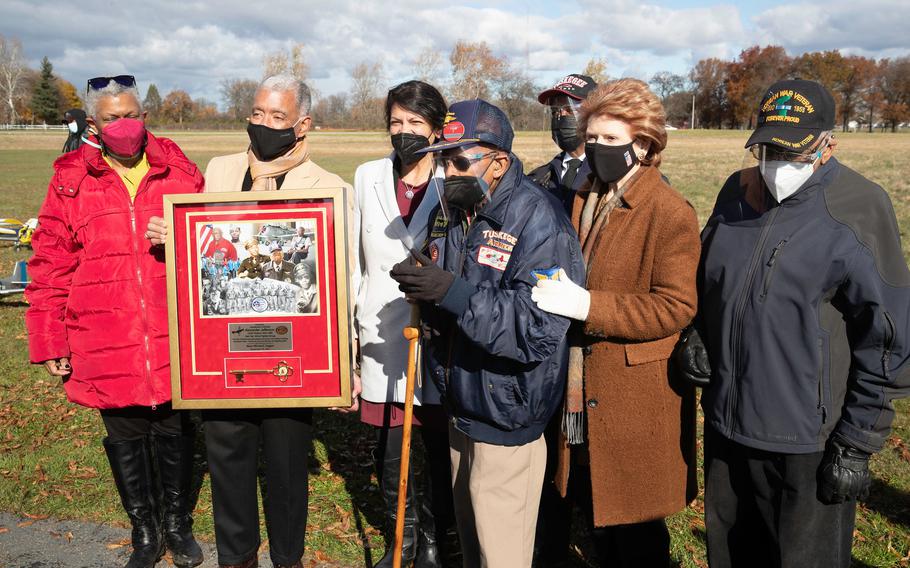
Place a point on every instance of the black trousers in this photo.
(761, 510)
(134, 422)
(232, 441)
(637, 545)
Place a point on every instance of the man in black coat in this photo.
(568, 170)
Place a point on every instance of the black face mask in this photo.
(610, 163)
(463, 192)
(407, 145)
(269, 143)
(565, 133)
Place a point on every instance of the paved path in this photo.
(74, 544)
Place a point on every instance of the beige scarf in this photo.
(595, 215)
(264, 173)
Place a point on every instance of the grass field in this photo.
(52, 462)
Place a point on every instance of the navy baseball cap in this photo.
(792, 114)
(474, 122)
(573, 86)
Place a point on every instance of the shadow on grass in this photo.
(889, 502)
(349, 444)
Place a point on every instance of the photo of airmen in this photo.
(274, 272)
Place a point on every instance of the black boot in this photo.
(175, 468)
(429, 545)
(388, 471)
(131, 466)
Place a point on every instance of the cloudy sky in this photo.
(195, 44)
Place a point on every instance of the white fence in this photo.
(32, 127)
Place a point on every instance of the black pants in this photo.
(232, 442)
(437, 475)
(638, 545)
(761, 510)
(135, 422)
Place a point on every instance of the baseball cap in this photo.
(792, 114)
(471, 122)
(575, 86)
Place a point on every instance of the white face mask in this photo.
(785, 178)
(73, 127)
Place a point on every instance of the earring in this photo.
(641, 156)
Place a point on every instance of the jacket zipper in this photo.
(889, 344)
(142, 304)
(461, 258)
(772, 262)
(738, 317)
(821, 378)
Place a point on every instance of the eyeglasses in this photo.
(775, 154)
(563, 110)
(461, 162)
(98, 83)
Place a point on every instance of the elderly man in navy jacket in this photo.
(804, 307)
(499, 360)
(564, 174)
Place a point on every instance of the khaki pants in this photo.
(497, 492)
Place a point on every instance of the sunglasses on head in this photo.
(461, 162)
(98, 83)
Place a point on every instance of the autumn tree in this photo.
(860, 73)
(177, 106)
(366, 101)
(756, 69)
(597, 70)
(12, 69)
(709, 82)
(874, 95)
(895, 87)
(237, 95)
(428, 66)
(69, 96)
(516, 95)
(45, 95)
(152, 103)
(474, 70)
(331, 111)
(665, 83)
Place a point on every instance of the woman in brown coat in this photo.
(625, 413)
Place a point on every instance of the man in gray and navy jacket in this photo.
(804, 307)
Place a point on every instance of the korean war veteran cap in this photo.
(574, 86)
(792, 115)
(472, 122)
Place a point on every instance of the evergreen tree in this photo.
(46, 95)
(152, 102)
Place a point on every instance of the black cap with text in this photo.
(792, 115)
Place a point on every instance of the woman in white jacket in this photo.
(394, 197)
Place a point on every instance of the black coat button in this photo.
(592, 403)
(587, 349)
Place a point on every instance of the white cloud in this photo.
(196, 44)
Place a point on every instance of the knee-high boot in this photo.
(175, 468)
(131, 466)
(388, 468)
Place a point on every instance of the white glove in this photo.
(562, 297)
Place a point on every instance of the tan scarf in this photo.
(264, 173)
(595, 215)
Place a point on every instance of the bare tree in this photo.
(665, 84)
(366, 104)
(428, 66)
(12, 68)
(291, 62)
(238, 96)
(474, 70)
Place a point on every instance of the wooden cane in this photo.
(412, 334)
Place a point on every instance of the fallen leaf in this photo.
(3, 530)
(24, 524)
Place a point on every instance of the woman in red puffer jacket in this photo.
(98, 314)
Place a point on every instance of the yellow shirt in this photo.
(133, 177)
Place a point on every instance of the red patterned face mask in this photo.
(124, 138)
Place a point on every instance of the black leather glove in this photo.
(420, 279)
(843, 473)
(691, 358)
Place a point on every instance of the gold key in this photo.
(282, 370)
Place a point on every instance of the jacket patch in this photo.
(499, 240)
(440, 224)
(493, 258)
